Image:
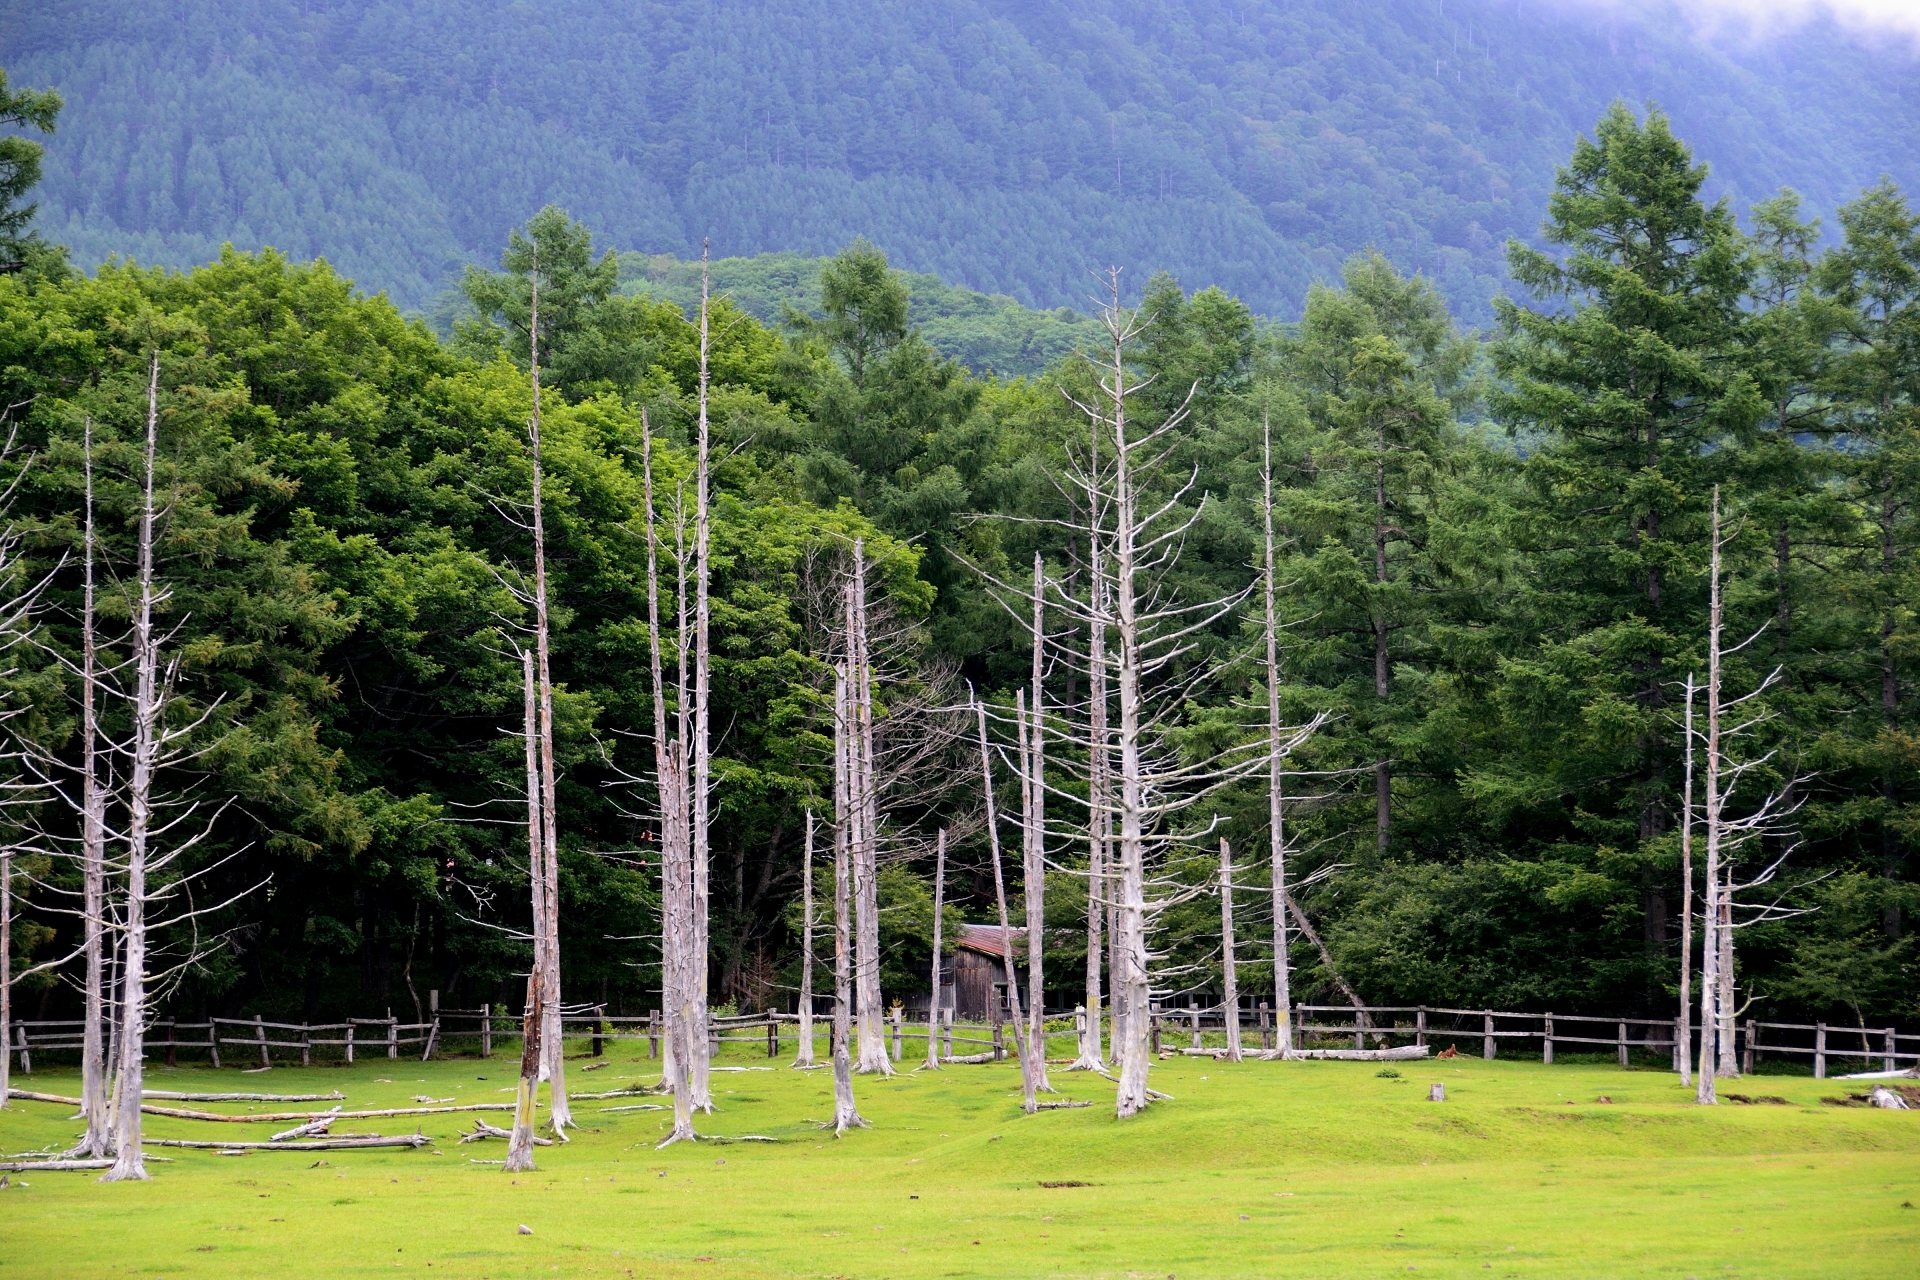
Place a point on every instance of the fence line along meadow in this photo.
(258, 1043)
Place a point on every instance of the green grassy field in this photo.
(1263, 1169)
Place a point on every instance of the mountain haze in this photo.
(1005, 147)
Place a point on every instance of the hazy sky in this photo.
(1896, 18)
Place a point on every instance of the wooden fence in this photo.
(255, 1041)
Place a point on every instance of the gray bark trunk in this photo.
(1230, 996)
(803, 1055)
(1276, 765)
(863, 845)
(939, 906)
(702, 728)
(98, 1140)
(845, 1114)
(1006, 930)
(1036, 841)
(129, 1159)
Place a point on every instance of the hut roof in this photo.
(988, 939)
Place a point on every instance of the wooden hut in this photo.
(980, 971)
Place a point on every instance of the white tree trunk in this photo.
(98, 1140)
(1713, 996)
(129, 1159)
(1685, 1033)
(845, 1114)
(803, 1056)
(547, 865)
(1276, 767)
(1036, 842)
(702, 725)
(1006, 930)
(1230, 997)
(864, 844)
(1133, 1094)
(939, 906)
(1099, 816)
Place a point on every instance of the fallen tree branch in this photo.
(310, 1129)
(52, 1166)
(166, 1095)
(482, 1130)
(330, 1144)
(1401, 1053)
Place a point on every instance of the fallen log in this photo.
(637, 1091)
(52, 1166)
(311, 1129)
(640, 1106)
(329, 1144)
(482, 1131)
(1059, 1106)
(1401, 1053)
(166, 1095)
(971, 1057)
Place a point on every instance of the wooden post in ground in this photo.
(216, 1061)
(1266, 1026)
(653, 1033)
(1420, 1026)
(213, 1044)
(260, 1034)
(599, 1031)
(1546, 1047)
(1359, 1029)
(1156, 1033)
(1886, 1060)
(26, 1054)
(1622, 1040)
(1820, 1051)
(1679, 1042)
(1193, 1018)
(1753, 1038)
(1487, 1048)
(306, 1048)
(946, 1031)
(896, 1031)
(486, 1029)
(173, 1038)
(773, 1036)
(999, 1049)
(393, 1035)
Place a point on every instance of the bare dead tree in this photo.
(1277, 750)
(1726, 832)
(702, 721)
(804, 1055)
(1686, 902)
(1230, 995)
(678, 990)
(939, 906)
(1027, 1084)
(1033, 778)
(547, 864)
(845, 1114)
(97, 1143)
(864, 841)
(533, 1017)
(1099, 808)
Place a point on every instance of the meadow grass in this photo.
(1322, 1169)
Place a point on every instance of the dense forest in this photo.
(1001, 146)
(1492, 580)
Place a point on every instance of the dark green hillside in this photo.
(1005, 147)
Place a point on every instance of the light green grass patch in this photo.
(1264, 1169)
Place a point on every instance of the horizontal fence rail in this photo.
(258, 1041)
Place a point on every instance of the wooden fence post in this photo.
(433, 1037)
(653, 1033)
(260, 1034)
(173, 1037)
(1359, 1029)
(1546, 1051)
(1266, 1026)
(26, 1056)
(1753, 1038)
(393, 1035)
(999, 1050)
(486, 1029)
(773, 1035)
(713, 1040)
(1886, 1061)
(896, 1031)
(599, 1030)
(306, 1045)
(213, 1043)
(1193, 1018)
(1487, 1046)
(1420, 1026)
(1819, 1051)
(1153, 1021)
(1623, 1044)
(946, 1031)
(349, 1043)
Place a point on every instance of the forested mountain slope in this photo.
(1005, 146)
